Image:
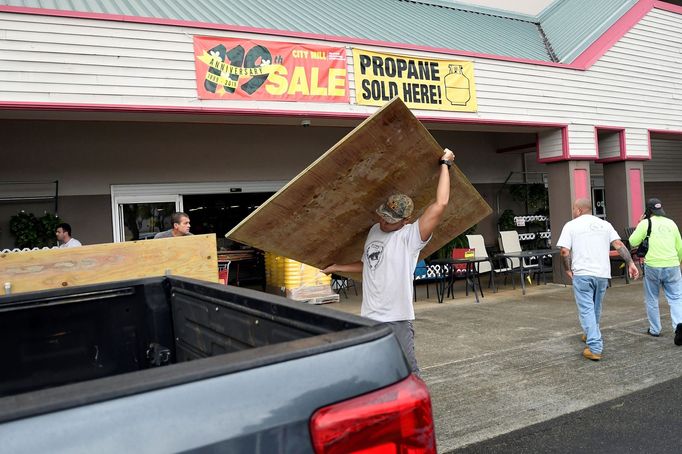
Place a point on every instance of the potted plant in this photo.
(30, 231)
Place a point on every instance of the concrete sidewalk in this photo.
(514, 360)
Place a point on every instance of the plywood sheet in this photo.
(191, 256)
(323, 215)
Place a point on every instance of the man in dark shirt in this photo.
(180, 226)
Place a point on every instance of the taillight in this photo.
(396, 419)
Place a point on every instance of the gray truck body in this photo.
(245, 370)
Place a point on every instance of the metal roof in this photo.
(571, 25)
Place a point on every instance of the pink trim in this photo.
(565, 150)
(581, 188)
(609, 128)
(582, 62)
(658, 131)
(665, 131)
(636, 197)
(540, 160)
(57, 107)
(622, 155)
(668, 7)
(623, 25)
(648, 142)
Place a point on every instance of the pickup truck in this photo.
(173, 364)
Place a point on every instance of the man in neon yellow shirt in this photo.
(661, 267)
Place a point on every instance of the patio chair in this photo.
(509, 242)
(341, 284)
(426, 274)
(477, 243)
(458, 270)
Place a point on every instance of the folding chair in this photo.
(509, 242)
(477, 243)
(341, 284)
(426, 274)
(450, 272)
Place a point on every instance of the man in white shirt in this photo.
(585, 242)
(64, 237)
(390, 257)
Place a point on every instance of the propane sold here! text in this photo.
(421, 83)
(421, 73)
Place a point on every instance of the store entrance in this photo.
(219, 213)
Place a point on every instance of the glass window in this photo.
(141, 221)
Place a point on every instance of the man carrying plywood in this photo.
(390, 256)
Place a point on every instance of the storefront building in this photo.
(137, 113)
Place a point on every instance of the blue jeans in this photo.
(671, 280)
(589, 292)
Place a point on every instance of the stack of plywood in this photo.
(323, 215)
(188, 256)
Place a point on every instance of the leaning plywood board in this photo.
(323, 215)
(190, 256)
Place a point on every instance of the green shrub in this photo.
(30, 231)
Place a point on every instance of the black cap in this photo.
(655, 206)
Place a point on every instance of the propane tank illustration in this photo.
(457, 86)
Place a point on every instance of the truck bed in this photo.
(251, 367)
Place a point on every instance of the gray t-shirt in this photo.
(167, 234)
(389, 260)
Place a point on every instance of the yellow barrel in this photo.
(279, 271)
(283, 272)
(292, 273)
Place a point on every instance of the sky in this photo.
(531, 7)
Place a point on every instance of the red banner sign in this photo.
(232, 68)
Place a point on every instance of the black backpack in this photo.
(644, 247)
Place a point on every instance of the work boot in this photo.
(583, 338)
(587, 353)
(678, 334)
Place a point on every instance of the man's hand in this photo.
(330, 269)
(448, 155)
(627, 258)
(566, 261)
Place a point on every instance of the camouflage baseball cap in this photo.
(396, 208)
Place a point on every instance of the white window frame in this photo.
(173, 192)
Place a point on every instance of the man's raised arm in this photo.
(434, 212)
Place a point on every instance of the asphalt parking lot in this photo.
(513, 361)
